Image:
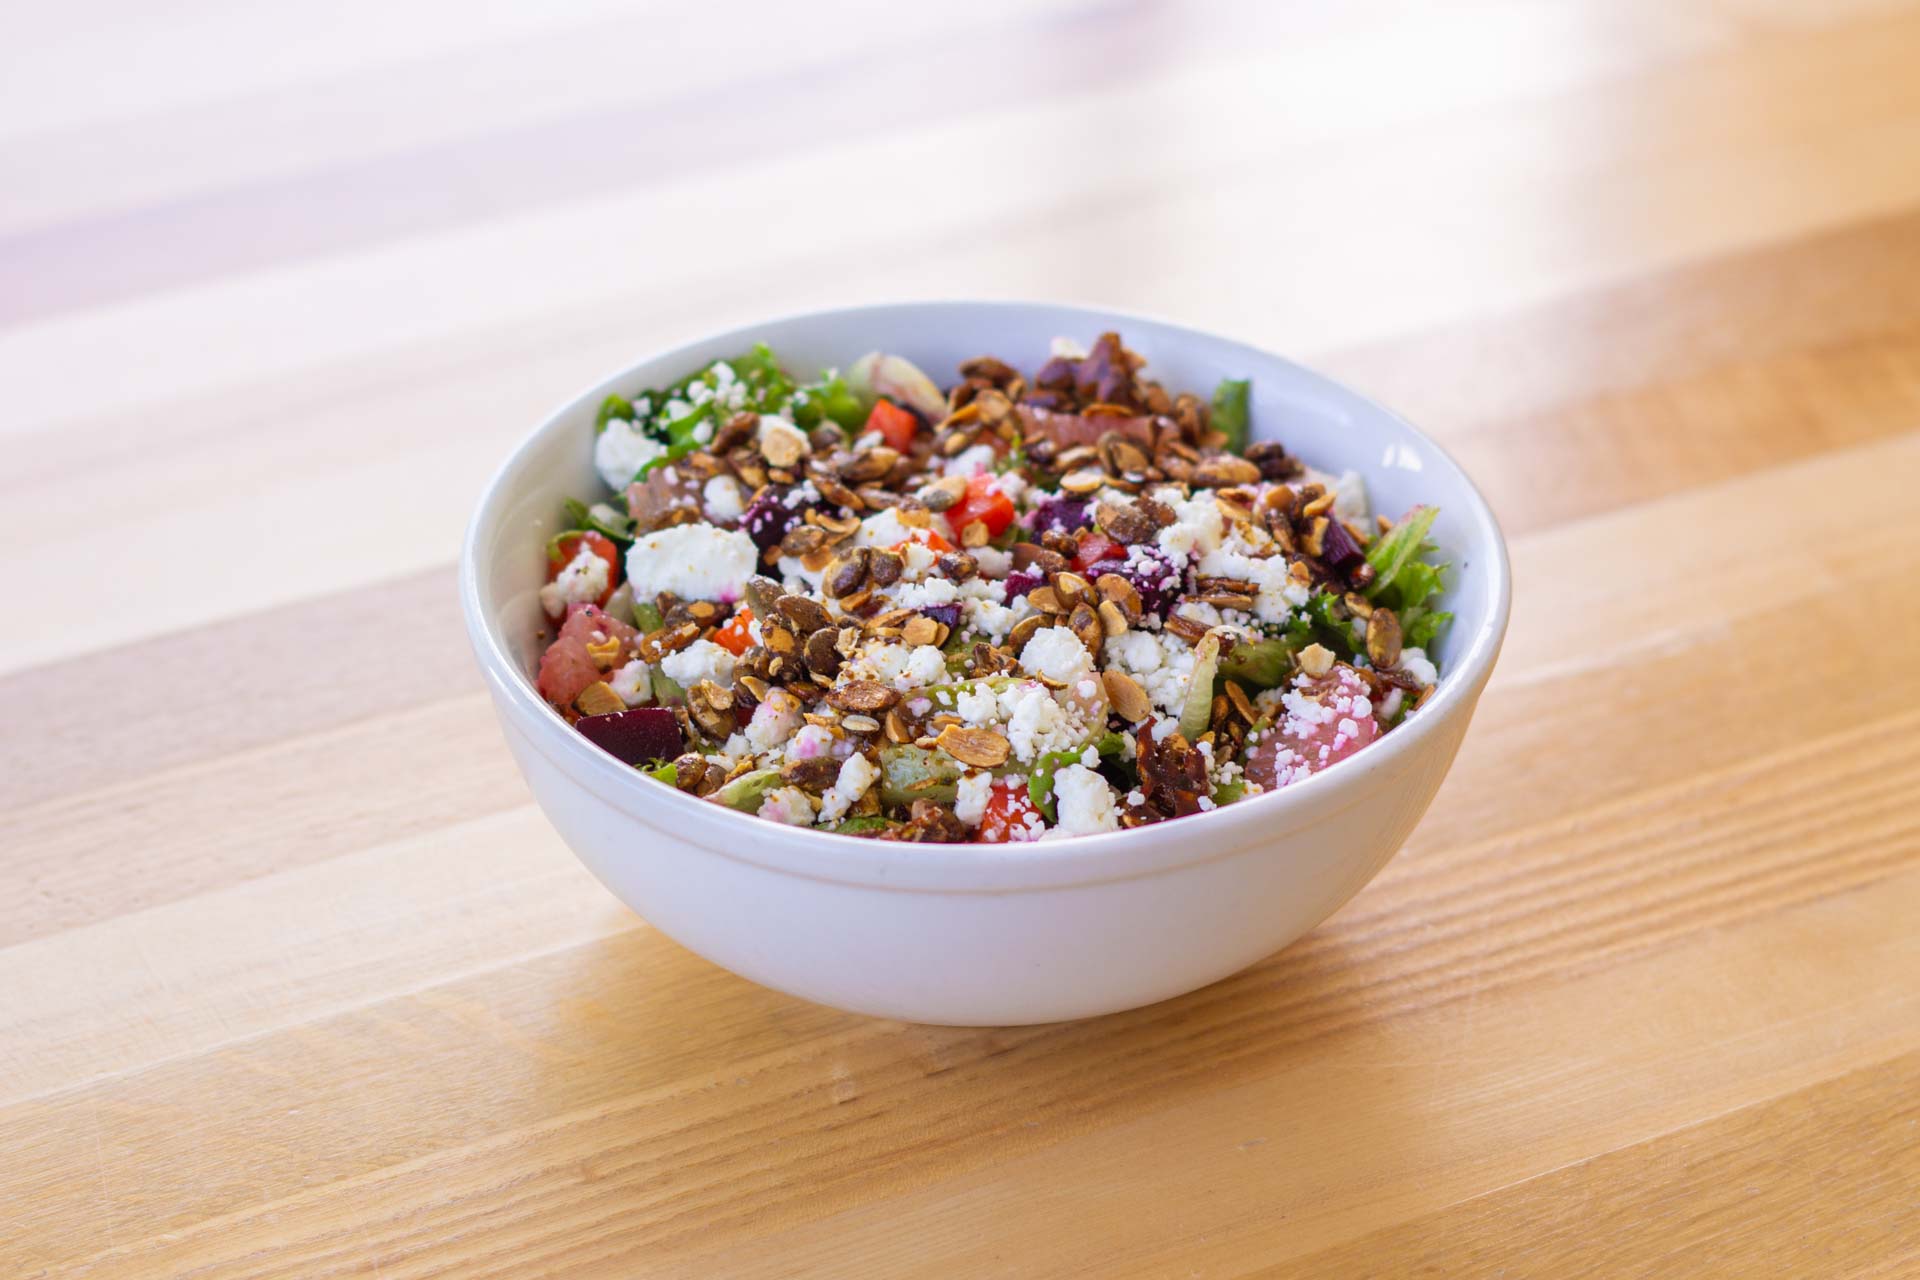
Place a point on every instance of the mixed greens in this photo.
(1006, 609)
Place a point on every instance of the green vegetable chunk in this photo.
(1040, 780)
(1231, 413)
(1261, 664)
(613, 407)
(1405, 580)
(1197, 712)
(909, 773)
(748, 790)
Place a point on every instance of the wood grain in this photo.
(297, 983)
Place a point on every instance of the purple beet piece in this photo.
(768, 518)
(1338, 548)
(947, 615)
(1060, 515)
(1156, 574)
(1021, 581)
(636, 736)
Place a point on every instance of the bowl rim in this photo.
(1056, 862)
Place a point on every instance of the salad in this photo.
(1006, 610)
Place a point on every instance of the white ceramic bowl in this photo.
(989, 934)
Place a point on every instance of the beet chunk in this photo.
(636, 736)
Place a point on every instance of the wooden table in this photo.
(295, 982)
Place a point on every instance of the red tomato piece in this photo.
(1005, 819)
(734, 637)
(562, 550)
(895, 425)
(984, 502)
(1095, 547)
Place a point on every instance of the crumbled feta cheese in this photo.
(1056, 653)
(1416, 664)
(1197, 526)
(926, 664)
(812, 741)
(1278, 595)
(1036, 722)
(582, 581)
(993, 562)
(926, 592)
(633, 682)
(693, 561)
(989, 617)
(701, 660)
(1161, 664)
(974, 461)
(724, 499)
(790, 805)
(856, 775)
(1084, 801)
(970, 805)
(620, 451)
(1067, 349)
(902, 666)
(884, 529)
(774, 720)
(798, 578)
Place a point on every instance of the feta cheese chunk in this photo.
(701, 660)
(1084, 802)
(634, 683)
(1057, 654)
(620, 451)
(582, 581)
(790, 805)
(1417, 664)
(970, 805)
(693, 561)
(723, 498)
(856, 775)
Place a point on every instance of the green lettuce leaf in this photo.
(1231, 414)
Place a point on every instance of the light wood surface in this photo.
(294, 981)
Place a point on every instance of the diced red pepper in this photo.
(984, 502)
(1008, 805)
(929, 537)
(895, 425)
(734, 637)
(1095, 547)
